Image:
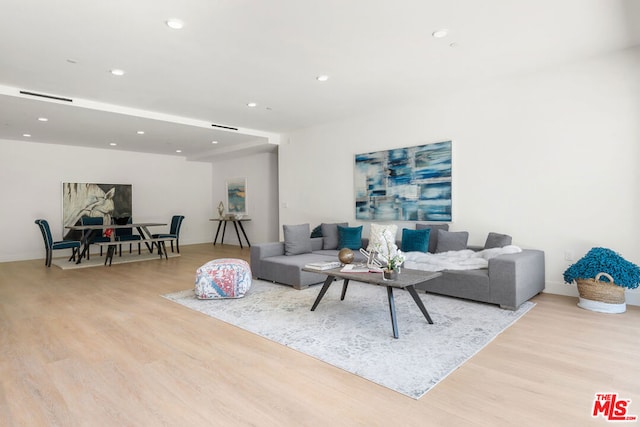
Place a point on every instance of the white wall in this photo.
(261, 171)
(550, 158)
(31, 176)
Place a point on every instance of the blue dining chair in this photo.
(51, 246)
(174, 231)
(89, 220)
(126, 234)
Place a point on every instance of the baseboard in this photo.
(632, 296)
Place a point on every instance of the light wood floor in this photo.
(100, 347)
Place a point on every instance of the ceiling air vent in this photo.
(42, 95)
(223, 127)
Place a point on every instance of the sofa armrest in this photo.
(515, 278)
(261, 251)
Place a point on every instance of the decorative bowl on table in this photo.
(346, 256)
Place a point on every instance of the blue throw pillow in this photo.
(415, 240)
(433, 233)
(349, 237)
(316, 232)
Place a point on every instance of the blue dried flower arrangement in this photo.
(603, 260)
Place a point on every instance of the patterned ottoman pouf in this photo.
(223, 278)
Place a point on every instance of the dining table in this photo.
(90, 232)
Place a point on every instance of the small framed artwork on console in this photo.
(237, 196)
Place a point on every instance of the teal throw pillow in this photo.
(316, 232)
(415, 240)
(349, 237)
(433, 234)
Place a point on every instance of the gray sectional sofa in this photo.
(269, 262)
(509, 280)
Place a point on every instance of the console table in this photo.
(236, 223)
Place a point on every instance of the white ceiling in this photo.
(232, 52)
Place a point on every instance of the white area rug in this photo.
(98, 261)
(356, 334)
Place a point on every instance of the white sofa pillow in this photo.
(376, 237)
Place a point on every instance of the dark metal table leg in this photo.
(235, 225)
(87, 238)
(392, 309)
(245, 234)
(144, 237)
(110, 251)
(224, 230)
(416, 298)
(327, 283)
(344, 289)
(162, 247)
(217, 231)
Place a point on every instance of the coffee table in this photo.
(406, 280)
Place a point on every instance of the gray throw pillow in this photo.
(497, 240)
(297, 239)
(452, 240)
(433, 233)
(330, 235)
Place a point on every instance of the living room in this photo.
(547, 155)
(535, 156)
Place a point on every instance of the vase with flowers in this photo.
(390, 256)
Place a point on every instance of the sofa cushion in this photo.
(433, 234)
(349, 237)
(497, 240)
(316, 243)
(330, 235)
(415, 240)
(297, 239)
(452, 240)
(469, 284)
(377, 240)
(288, 269)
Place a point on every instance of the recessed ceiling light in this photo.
(140, 132)
(178, 151)
(454, 44)
(174, 24)
(26, 135)
(43, 119)
(113, 144)
(440, 33)
(117, 72)
(214, 142)
(252, 104)
(322, 78)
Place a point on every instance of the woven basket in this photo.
(595, 290)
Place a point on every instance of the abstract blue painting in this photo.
(404, 184)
